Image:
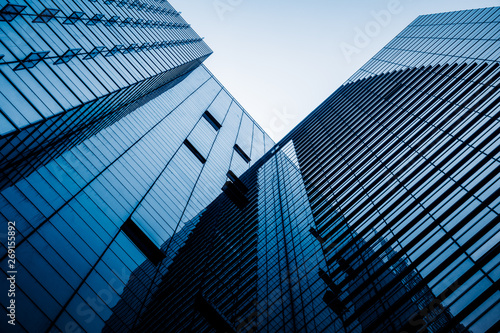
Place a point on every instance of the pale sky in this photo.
(280, 59)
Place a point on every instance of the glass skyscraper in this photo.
(378, 213)
(113, 136)
(72, 68)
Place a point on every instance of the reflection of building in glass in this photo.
(220, 278)
(422, 310)
(377, 213)
(143, 283)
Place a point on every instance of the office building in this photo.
(379, 212)
(114, 135)
(72, 68)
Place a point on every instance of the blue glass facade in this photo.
(409, 163)
(468, 36)
(378, 213)
(74, 254)
(71, 68)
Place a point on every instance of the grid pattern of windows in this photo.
(459, 37)
(95, 225)
(379, 212)
(403, 182)
(71, 68)
(289, 288)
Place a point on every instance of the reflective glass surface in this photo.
(72, 68)
(379, 212)
(75, 260)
